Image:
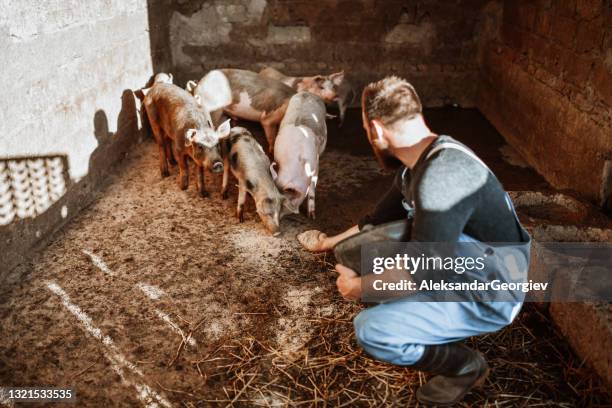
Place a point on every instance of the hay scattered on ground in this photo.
(529, 368)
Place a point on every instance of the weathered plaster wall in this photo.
(546, 85)
(430, 42)
(67, 112)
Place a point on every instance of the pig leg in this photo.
(161, 141)
(201, 185)
(270, 122)
(310, 206)
(183, 162)
(271, 130)
(226, 171)
(242, 192)
(169, 154)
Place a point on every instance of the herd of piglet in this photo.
(195, 123)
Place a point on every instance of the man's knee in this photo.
(380, 341)
(371, 334)
(364, 329)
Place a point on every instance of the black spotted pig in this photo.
(301, 140)
(245, 95)
(184, 129)
(251, 167)
(333, 88)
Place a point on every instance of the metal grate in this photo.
(28, 187)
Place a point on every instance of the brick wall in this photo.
(67, 112)
(431, 42)
(546, 85)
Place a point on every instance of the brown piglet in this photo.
(183, 129)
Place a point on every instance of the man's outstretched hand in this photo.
(313, 241)
(348, 283)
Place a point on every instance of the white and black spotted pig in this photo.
(251, 167)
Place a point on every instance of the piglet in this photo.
(301, 140)
(182, 127)
(251, 167)
(334, 88)
(247, 95)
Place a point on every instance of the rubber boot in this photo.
(457, 370)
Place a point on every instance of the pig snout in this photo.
(293, 198)
(217, 167)
(212, 160)
(269, 211)
(273, 226)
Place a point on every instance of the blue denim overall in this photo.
(397, 331)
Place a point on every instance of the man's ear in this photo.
(337, 78)
(378, 130)
(224, 129)
(189, 136)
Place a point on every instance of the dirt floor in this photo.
(156, 297)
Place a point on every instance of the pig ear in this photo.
(319, 79)
(171, 78)
(189, 136)
(140, 94)
(191, 86)
(224, 129)
(273, 171)
(337, 78)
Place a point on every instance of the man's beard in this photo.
(386, 160)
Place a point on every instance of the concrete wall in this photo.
(430, 42)
(67, 113)
(546, 85)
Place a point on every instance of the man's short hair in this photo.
(391, 99)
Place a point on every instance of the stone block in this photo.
(588, 9)
(288, 35)
(564, 30)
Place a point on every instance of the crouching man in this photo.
(450, 197)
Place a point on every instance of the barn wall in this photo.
(430, 42)
(546, 85)
(67, 112)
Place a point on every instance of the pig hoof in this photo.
(224, 195)
(311, 215)
(240, 216)
(165, 173)
(183, 186)
(204, 194)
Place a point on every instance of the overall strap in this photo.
(449, 145)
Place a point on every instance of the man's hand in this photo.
(313, 241)
(348, 283)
